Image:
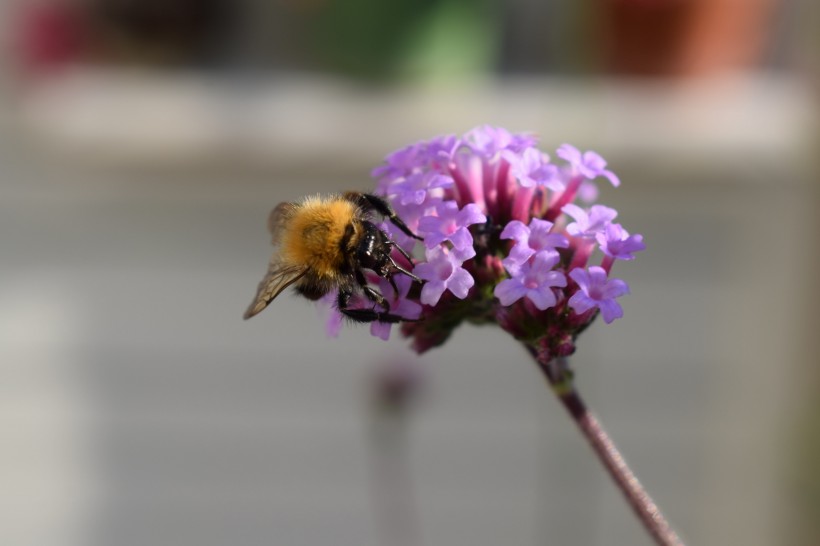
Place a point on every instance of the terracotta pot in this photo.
(685, 37)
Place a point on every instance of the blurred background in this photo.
(142, 144)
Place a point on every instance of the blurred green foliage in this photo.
(408, 39)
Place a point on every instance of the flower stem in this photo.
(559, 377)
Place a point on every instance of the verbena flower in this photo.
(589, 224)
(443, 271)
(533, 280)
(616, 242)
(510, 238)
(532, 168)
(531, 240)
(596, 291)
(450, 224)
(589, 164)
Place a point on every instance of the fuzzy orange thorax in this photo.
(315, 233)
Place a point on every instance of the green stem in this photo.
(559, 378)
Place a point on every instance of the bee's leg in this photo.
(365, 315)
(393, 283)
(368, 315)
(400, 269)
(371, 293)
(374, 202)
(401, 251)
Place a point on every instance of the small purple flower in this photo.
(590, 165)
(488, 141)
(532, 168)
(400, 163)
(442, 271)
(596, 291)
(399, 305)
(589, 224)
(534, 281)
(529, 240)
(451, 225)
(441, 150)
(616, 242)
(522, 141)
(415, 188)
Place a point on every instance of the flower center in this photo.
(532, 280)
(537, 241)
(596, 293)
(444, 270)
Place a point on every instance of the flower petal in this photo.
(542, 297)
(519, 254)
(569, 153)
(612, 177)
(594, 161)
(581, 303)
(597, 276)
(430, 224)
(611, 310)
(509, 291)
(432, 292)
(577, 213)
(464, 254)
(460, 283)
(461, 239)
(515, 230)
(469, 215)
(615, 288)
(579, 275)
(555, 279)
(380, 330)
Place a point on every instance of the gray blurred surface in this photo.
(136, 407)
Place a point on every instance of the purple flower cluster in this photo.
(510, 237)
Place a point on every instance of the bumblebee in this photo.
(325, 244)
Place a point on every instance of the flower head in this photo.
(510, 238)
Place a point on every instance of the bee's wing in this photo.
(279, 218)
(278, 278)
